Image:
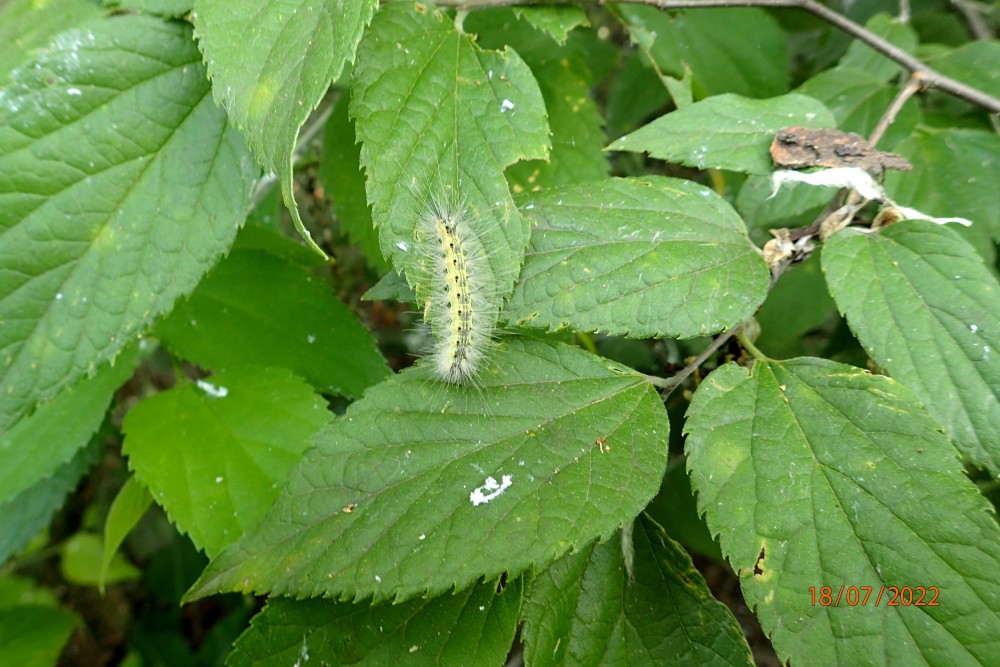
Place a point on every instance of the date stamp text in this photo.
(862, 596)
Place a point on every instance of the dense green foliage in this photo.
(207, 387)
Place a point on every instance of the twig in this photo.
(678, 378)
(912, 87)
(970, 12)
(904, 11)
(932, 78)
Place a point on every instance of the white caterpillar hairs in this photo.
(462, 304)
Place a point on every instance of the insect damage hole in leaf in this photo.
(758, 566)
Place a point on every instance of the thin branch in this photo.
(971, 13)
(932, 78)
(678, 378)
(904, 11)
(912, 87)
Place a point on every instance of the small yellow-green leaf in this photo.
(127, 508)
(215, 453)
(81, 563)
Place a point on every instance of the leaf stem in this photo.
(932, 78)
(750, 347)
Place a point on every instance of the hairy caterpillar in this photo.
(462, 304)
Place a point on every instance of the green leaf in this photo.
(578, 139)
(731, 50)
(81, 563)
(976, 64)
(214, 454)
(28, 24)
(577, 154)
(587, 609)
(269, 96)
(955, 173)
(635, 94)
(34, 635)
(556, 20)
(392, 287)
(863, 58)
(422, 487)
(40, 444)
(858, 99)
(681, 91)
(255, 308)
(128, 507)
(113, 202)
(675, 508)
(473, 627)
(256, 235)
(653, 257)
(724, 131)
(818, 474)
(340, 170)
(24, 516)
(923, 305)
(16, 591)
(439, 121)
